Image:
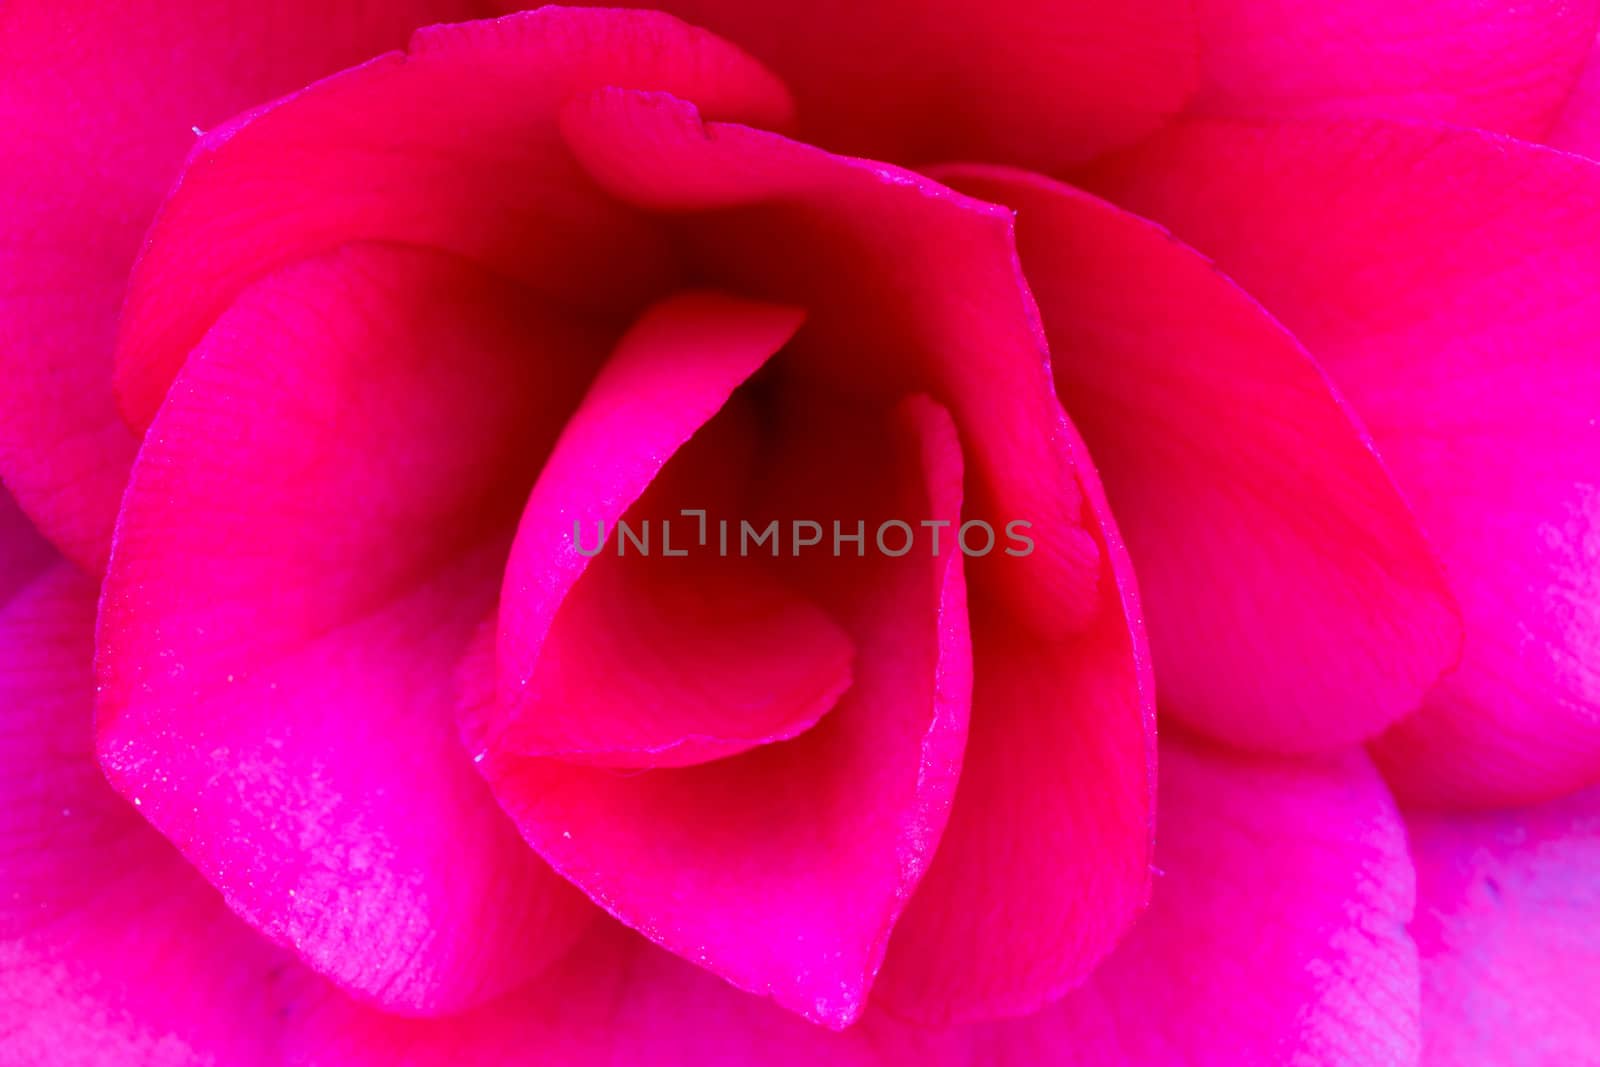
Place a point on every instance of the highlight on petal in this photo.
(1497, 66)
(111, 949)
(451, 146)
(1508, 928)
(783, 867)
(874, 253)
(1293, 604)
(315, 525)
(1275, 932)
(1040, 84)
(100, 103)
(1447, 280)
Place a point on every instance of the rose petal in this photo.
(640, 661)
(314, 526)
(1499, 66)
(616, 999)
(452, 146)
(111, 950)
(1508, 927)
(1292, 600)
(99, 105)
(873, 253)
(1275, 934)
(1577, 128)
(783, 869)
(1446, 279)
(1033, 83)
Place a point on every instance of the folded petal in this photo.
(1508, 928)
(1293, 603)
(111, 949)
(315, 525)
(1499, 66)
(1275, 932)
(451, 146)
(1035, 83)
(873, 253)
(1446, 280)
(634, 660)
(100, 105)
(783, 868)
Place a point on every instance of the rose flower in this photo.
(585, 536)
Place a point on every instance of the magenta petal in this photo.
(1041, 83)
(111, 950)
(782, 869)
(314, 527)
(1275, 933)
(1046, 860)
(1577, 128)
(1446, 280)
(1292, 602)
(1500, 66)
(1508, 928)
(874, 253)
(649, 661)
(615, 1000)
(99, 105)
(451, 146)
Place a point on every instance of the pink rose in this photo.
(471, 577)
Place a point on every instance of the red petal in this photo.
(1036, 83)
(1499, 66)
(783, 869)
(1446, 280)
(1508, 927)
(873, 253)
(314, 527)
(1292, 601)
(452, 146)
(99, 104)
(649, 661)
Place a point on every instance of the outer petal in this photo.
(111, 950)
(1446, 279)
(783, 869)
(452, 146)
(1487, 63)
(99, 104)
(1508, 927)
(1275, 934)
(313, 529)
(1031, 82)
(615, 1000)
(1291, 599)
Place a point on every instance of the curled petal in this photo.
(1293, 603)
(1446, 280)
